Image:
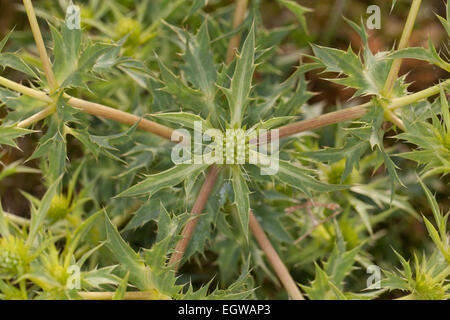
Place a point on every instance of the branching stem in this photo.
(323, 120)
(102, 111)
(95, 109)
(166, 132)
(418, 96)
(278, 265)
(39, 95)
(404, 40)
(197, 209)
(16, 219)
(41, 115)
(40, 44)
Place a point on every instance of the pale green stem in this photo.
(396, 64)
(95, 109)
(40, 44)
(406, 100)
(39, 95)
(41, 115)
(391, 116)
(138, 295)
(16, 219)
(404, 40)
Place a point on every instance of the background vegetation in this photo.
(59, 184)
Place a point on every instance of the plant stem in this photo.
(16, 219)
(323, 120)
(39, 95)
(239, 15)
(355, 112)
(40, 44)
(138, 295)
(275, 261)
(37, 117)
(406, 100)
(95, 109)
(392, 117)
(197, 209)
(100, 110)
(407, 30)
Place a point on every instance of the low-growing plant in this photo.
(120, 217)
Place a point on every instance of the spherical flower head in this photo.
(131, 27)
(13, 256)
(59, 208)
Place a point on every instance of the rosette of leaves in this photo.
(202, 94)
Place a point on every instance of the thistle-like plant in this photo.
(215, 206)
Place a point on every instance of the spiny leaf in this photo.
(431, 138)
(78, 234)
(340, 264)
(166, 179)
(241, 198)
(156, 256)
(362, 209)
(184, 119)
(298, 10)
(4, 229)
(272, 123)
(199, 63)
(15, 168)
(430, 55)
(434, 235)
(241, 82)
(128, 259)
(13, 61)
(394, 2)
(300, 178)
(73, 64)
(439, 218)
(120, 291)
(96, 278)
(188, 97)
(8, 134)
(148, 211)
(446, 22)
(102, 144)
(351, 152)
(37, 219)
(53, 145)
(320, 287)
(196, 5)
(67, 47)
(236, 291)
(369, 77)
(272, 223)
(5, 39)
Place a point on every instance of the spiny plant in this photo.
(74, 246)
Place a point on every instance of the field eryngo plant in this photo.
(177, 155)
